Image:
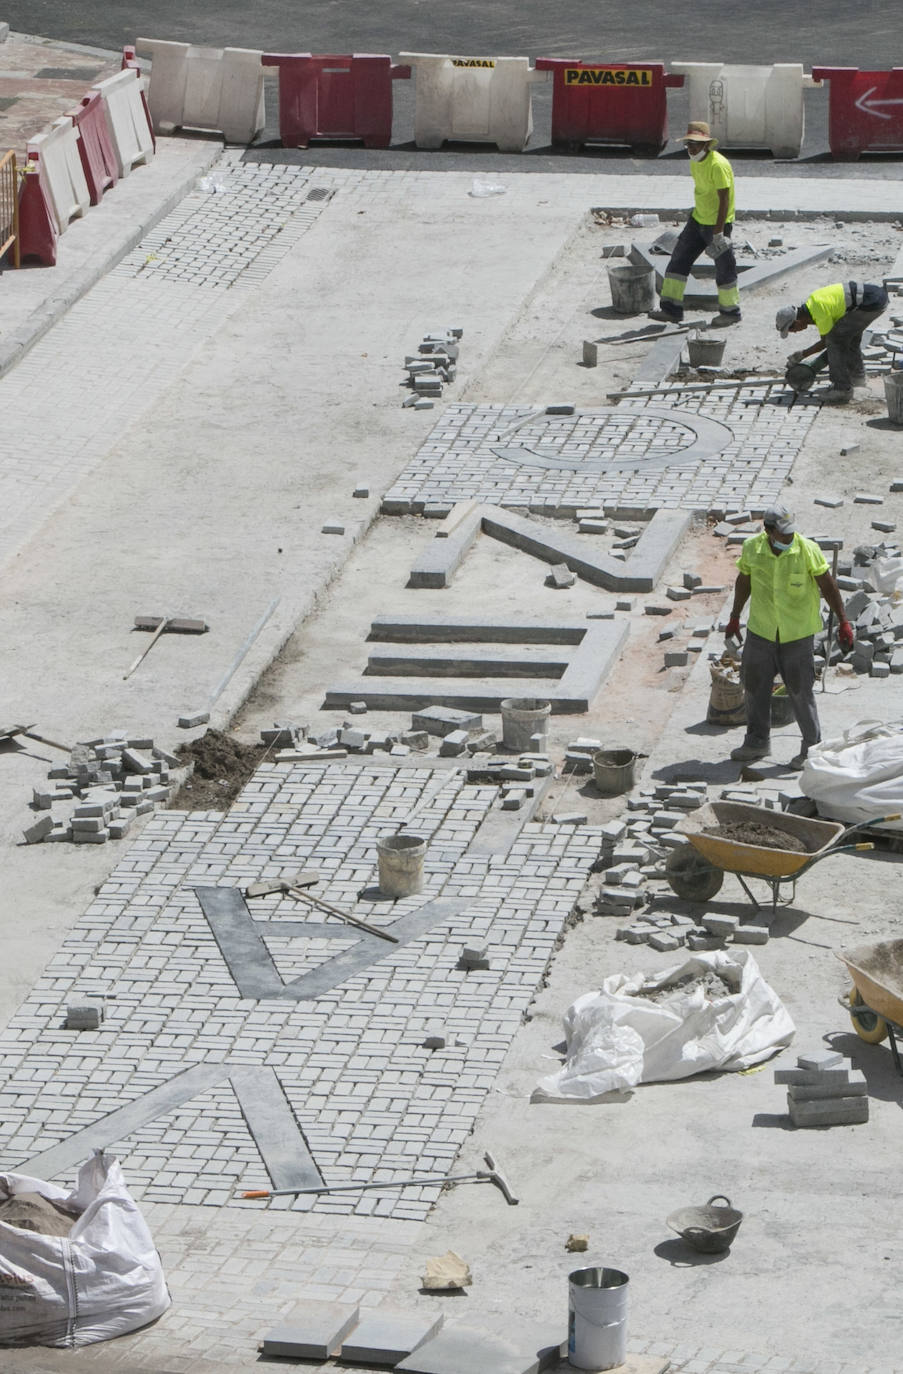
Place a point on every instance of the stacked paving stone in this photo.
(433, 365)
(822, 1091)
(877, 619)
(104, 786)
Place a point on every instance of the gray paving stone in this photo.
(385, 1337)
(314, 1331)
(463, 1350)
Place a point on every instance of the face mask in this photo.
(697, 157)
(780, 547)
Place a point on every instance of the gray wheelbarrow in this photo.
(710, 1228)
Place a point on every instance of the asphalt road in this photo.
(835, 32)
(867, 36)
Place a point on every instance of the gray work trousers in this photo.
(844, 347)
(763, 660)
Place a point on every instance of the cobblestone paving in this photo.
(243, 218)
(632, 458)
(370, 1100)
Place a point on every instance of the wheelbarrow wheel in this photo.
(868, 1025)
(691, 875)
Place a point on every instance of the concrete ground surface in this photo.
(209, 383)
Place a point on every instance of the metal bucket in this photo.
(522, 718)
(613, 770)
(705, 352)
(632, 289)
(802, 376)
(893, 392)
(710, 1229)
(400, 860)
(597, 1318)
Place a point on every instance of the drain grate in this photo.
(319, 193)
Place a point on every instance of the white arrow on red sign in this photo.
(871, 106)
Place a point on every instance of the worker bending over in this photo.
(783, 576)
(708, 230)
(841, 313)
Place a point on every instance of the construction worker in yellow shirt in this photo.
(841, 313)
(783, 577)
(708, 230)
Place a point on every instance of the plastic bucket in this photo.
(893, 391)
(632, 289)
(613, 770)
(705, 352)
(522, 718)
(781, 708)
(400, 864)
(597, 1318)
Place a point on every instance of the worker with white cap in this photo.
(708, 230)
(783, 576)
(841, 313)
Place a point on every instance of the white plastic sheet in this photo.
(102, 1280)
(859, 775)
(616, 1039)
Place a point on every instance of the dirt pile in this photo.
(220, 768)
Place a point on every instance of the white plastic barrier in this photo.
(62, 174)
(205, 88)
(130, 131)
(473, 99)
(749, 107)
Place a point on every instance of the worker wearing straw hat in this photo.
(708, 230)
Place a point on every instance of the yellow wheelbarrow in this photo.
(696, 870)
(875, 1001)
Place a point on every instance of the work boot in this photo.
(798, 760)
(744, 753)
(835, 396)
(665, 316)
(725, 318)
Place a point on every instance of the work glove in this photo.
(845, 634)
(796, 357)
(720, 244)
(732, 629)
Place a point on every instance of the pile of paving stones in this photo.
(877, 618)
(433, 365)
(460, 734)
(633, 883)
(823, 1091)
(106, 783)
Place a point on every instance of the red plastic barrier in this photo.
(130, 62)
(37, 228)
(94, 146)
(865, 113)
(618, 102)
(335, 97)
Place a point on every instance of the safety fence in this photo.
(488, 99)
(9, 208)
(82, 155)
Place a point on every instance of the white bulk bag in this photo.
(617, 1037)
(103, 1279)
(859, 775)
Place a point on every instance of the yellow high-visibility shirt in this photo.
(827, 305)
(710, 176)
(784, 598)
